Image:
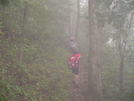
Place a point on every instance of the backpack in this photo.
(72, 44)
(73, 62)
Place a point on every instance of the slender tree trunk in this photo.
(95, 87)
(69, 19)
(77, 22)
(72, 18)
(121, 69)
(23, 30)
(131, 20)
(122, 47)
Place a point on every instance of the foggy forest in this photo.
(66, 50)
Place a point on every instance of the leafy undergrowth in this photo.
(44, 79)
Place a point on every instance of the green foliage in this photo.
(110, 74)
(4, 2)
(113, 21)
(2, 99)
(43, 75)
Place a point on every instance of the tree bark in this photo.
(69, 18)
(95, 86)
(77, 22)
(121, 67)
(131, 19)
(23, 31)
(122, 47)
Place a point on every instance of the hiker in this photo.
(73, 44)
(73, 64)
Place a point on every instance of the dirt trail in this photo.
(79, 93)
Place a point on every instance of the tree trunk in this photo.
(122, 47)
(121, 71)
(69, 19)
(95, 86)
(131, 19)
(23, 30)
(77, 22)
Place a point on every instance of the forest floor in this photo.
(79, 93)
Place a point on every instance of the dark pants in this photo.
(75, 70)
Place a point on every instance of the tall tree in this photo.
(95, 87)
(77, 22)
(23, 31)
(122, 48)
(69, 18)
(120, 10)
